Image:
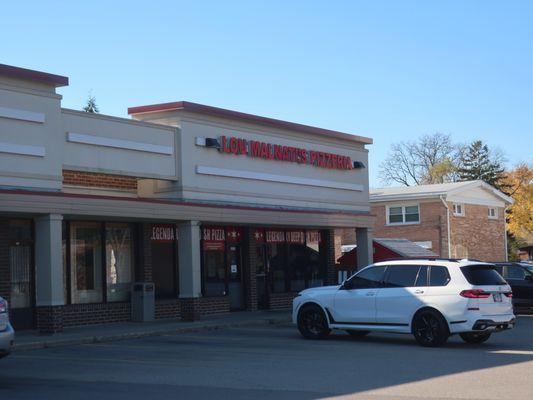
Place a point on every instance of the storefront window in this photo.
(20, 259)
(215, 278)
(119, 261)
(86, 263)
(277, 266)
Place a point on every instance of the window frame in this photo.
(454, 209)
(495, 216)
(430, 271)
(390, 268)
(403, 207)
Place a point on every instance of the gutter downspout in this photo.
(505, 233)
(448, 226)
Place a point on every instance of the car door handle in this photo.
(419, 291)
(370, 293)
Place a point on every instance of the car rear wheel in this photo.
(358, 334)
(430, 328)
(312, 323)
(475, 337)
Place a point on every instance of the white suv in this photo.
(432, 299)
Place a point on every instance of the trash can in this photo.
(143, 302)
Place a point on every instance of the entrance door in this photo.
(164, 269)
(234, 269)
(21, 273)
(261, 276)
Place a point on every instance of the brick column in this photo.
(249, 258)
(144, 265)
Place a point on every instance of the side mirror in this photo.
(346, 285)
(529, 278)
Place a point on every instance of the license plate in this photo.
(497, 297)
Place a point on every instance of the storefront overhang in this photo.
(80, 205)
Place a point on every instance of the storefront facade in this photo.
(222, 211)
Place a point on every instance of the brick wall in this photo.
(93, 179)
(476, 235)
(281, 301)
(329, 247)
(170, 308)
(250, 260)
(91, 314)
(432, 226)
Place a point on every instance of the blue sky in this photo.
(391, 70)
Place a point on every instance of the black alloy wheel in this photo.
(312, 323)
(357, 334)
(475, 337)
(430, 328)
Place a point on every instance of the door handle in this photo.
(370, 293)
(419, 291)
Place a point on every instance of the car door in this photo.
(402, 295)
(355, 301)
(515, 275)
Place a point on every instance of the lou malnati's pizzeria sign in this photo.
(269, 151)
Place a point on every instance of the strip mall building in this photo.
(221, 210)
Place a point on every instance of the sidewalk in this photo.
(29, 340)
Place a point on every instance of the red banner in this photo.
(259, 235)
(295, 237)
(233, 234)
(314, 237)
(214, 238)
(275, 236)
(164, 233)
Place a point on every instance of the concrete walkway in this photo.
(29, 340)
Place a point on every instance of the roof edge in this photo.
(33, 75)
(237, 115)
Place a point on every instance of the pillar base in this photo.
(49, 319)
(190, 309)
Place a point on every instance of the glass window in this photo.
(368, 278)
(215, 273)
(493, 213)
(422, 277)
(403, 214)
(86, 263)
(482, 275)
(513, 272)
(276, 266)
(298, 265)
(119, 261)
(402, 275)
(20, 263)
(438, 276)
(316, 265)
(458, 209)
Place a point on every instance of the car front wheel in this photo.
(312, 323)
(475, 337)
(430, 328)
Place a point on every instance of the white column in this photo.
(49, 260)
(365, 250)
(189, 259)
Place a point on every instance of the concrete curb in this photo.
(207, 326)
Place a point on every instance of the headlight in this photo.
(3, 306)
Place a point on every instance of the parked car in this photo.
(431, 299)
(7, 334)
(520, 278)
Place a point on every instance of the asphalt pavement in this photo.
(274, 362)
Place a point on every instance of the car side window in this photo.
(422, 277)
(401, 276)
(438, 276)
(367, 279)
(515, 273)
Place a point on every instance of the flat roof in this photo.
(32, 75)
(240, 116)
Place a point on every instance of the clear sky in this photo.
(390, 70)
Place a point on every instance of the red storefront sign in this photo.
(275, 236)
(295, 237)
(259, 235)
(233, 234)
(164, 233)
(276, 152)
(214, 238)
(313, 237)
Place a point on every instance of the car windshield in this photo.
(482, 275)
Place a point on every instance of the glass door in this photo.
(234, 273)
(21, 274)
(261, 276)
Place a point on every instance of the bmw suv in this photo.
(431, 299)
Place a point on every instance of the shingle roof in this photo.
(405, 248)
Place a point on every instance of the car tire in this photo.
(475, 337)
(430, 329)
(357, 334)
(312, 323)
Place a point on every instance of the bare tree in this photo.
(430, 159)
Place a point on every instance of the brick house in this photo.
(459, 220)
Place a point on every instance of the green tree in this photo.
(477, 162)
(91, 106)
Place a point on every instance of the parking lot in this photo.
(265, 362)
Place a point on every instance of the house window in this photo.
(458, 209)
(409, 214)
(493, 213)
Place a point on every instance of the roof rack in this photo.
(433, 259)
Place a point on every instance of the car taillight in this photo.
(475, 294)
(508, 294)
(3, 306)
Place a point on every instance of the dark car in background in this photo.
(520, 278)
